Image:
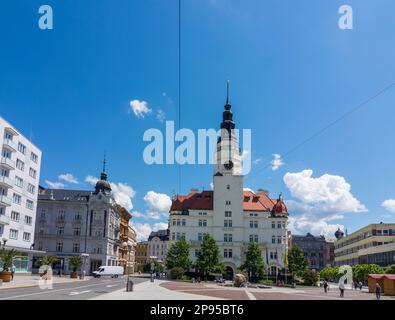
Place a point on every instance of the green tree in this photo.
(47, 261)
(390, 269)
(75, 262)
(310, 277)
(297, 262)
(361, 271)
(254, 265)
(330, 273)
(209, 258)
(7, 258)
(178, 256)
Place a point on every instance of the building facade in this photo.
(20, 164)
(316, 249)
(232, 216)
(126, 252)
(356, 247)
(158, 244)
(142, 257)
(73, 222)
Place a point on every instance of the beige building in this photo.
(141, 256)
(350, 250)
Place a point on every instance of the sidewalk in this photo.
(26, 281)
(151, 291)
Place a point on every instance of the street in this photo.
(68, 291)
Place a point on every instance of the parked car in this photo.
(111, 271)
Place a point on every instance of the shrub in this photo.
(176, 273)
(310, 278)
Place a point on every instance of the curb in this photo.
(36, 285)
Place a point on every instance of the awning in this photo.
(376, 276)
(24, 250)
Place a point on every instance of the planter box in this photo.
(5, 276)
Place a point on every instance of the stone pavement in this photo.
(26, 281)
(152, 291)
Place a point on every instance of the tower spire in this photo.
(227, 92)
(104, 162)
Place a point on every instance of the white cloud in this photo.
(248, 189)
(157, 202)
(160, 115)
(327, 194)
(277, 162)
(140, 108)
(303, 224)
(143, 230)
(91, 180)
(389, 205)
(123, 194)
(68, 177)
(55, 185)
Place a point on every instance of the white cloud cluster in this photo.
(55, 185)
(302, 224)
(158, 205)
(68, 177)
(140, 108)
(277, 162)
(143, 230)
(389, 205)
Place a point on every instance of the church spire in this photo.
(227, 115)
(227, 93)
(103, 175)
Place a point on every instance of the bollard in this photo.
(129, 286)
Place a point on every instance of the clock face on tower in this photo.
(228, 165)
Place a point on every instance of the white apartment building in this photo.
(20, 164)
(233, 217)
(158, 243)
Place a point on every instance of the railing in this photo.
(9, 143)
(6, 201)
(6, 181)
(7, 162)
(4, 219)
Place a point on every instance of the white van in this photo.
(113, 271)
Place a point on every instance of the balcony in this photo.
(6, 182)
(10, 145)
(4, 219)
(5, 201)
(7, 163)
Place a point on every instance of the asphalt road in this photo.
(79, 290)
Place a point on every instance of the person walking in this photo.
(12, 269)
(341, 288)
(325, 286)
(378, 291)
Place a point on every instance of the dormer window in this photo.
(228, 186)
(246, 199)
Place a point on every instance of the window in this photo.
(184, 222)
(59, 246)
(26, 236)
(254, 238)
(177, 237)
(18, 182)
(228, 202)
(59, 230)
(31, 189)
(178, 222)
(42, 214)
(228, 237)
(20, 165)
(77, 231)
(21, 148)
(273, 255)
(273, 239)
(254, 224)
(228, 187)
(40, 246)
(78, 216)
(228, 214)
(182, 236)
(32, 173)
(284, 225)
(14, 234)
(197, 252)
(173, 235)
(76, 247)
(200, 236)
(279, 225)
(29, 204)
(174, 222)
(202, 223)
(279, 239)
(33, 157)
(228, 224)
(202, 213)
(7, 135)
(15, 216)
(228, 253)
(28, 220)
(17, 198)
(273, 225)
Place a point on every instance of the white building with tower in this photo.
(232, 216)
(20, 164)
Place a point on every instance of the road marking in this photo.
(75, 293)
(250, 295)
(111, 285)
(51, 291)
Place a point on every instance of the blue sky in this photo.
(292, 72)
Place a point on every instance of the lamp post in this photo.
(129, 284)
(152, 258)
(84, 255)
(4, 242)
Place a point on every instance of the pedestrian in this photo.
(378, 291)
(341, 288)
(12, 271)
(360, 285)
(356, 284)
(325, 286)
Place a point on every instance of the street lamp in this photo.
(4, 242)
(152, 267)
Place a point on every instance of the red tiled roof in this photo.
(204, 201)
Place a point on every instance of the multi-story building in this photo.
(72, 222)
(375, 239)
(158, 243)
(142, 257)
(233, 217)
(315, 249)
(20, 164)
(126, 252)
